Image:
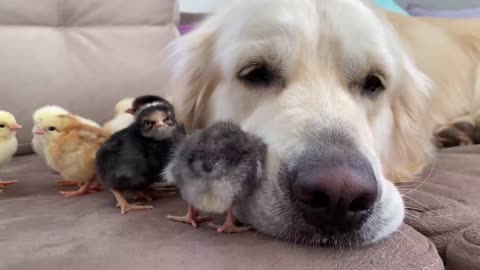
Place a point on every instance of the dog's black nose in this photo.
(335, 193)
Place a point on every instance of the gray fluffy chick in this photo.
(213, 168)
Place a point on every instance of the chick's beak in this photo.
(38, 131)
(160, 124)
(15, 127)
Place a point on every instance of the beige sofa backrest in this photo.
(83, 55)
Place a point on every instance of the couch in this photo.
(86, 55)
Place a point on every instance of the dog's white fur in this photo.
(432, 77)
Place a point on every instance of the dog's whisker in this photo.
(416, 183)
(414, 209)
(406, 236)
(431, 196)
(421, 222)
(279, 235)
(419, 203)
(434, 162)
(428, 208)
(457, 214)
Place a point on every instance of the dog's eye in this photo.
(257, 74)
(372, 85)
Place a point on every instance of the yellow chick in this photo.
(122, 117)
(71, 147)
(8, 142)
(39, 142)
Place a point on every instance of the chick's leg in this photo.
(94, 187)
(83, 190)
(66, 183)
(191, 217)
(3, 184)
(229, 225)
(142, 196)
(125, 206)
(150, 193)
(164, 189)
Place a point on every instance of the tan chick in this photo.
(71, 147)
(8, 142)
(39, 141)
(123, 118)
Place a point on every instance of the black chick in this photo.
(133, 159)
(149, 100)
(141, 101)
(213, 169)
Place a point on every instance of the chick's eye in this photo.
(257, 74)
(2, 126)
(52, 128)
(372, 85)
(147, 123)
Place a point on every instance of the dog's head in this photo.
(332, 92)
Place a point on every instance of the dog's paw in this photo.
(461, 132)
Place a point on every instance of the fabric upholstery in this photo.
(464, 252)
(82, 55)
(40, 229)
(445, 199)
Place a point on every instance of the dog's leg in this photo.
(466, 129)
(462, 131)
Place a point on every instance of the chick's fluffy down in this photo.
(8, 141)
(122, 119)
(47, 112)
(72, 148)
(8, 147)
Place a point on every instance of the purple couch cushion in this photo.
(417, 10)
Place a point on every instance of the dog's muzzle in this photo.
(333, 185)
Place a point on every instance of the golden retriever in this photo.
(347, 97)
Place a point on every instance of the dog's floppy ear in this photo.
(411, 146)
(189, 65)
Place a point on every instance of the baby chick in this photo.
(126, 109)
(71, 147)
(134, 158)
(213, 169)
(146, 100)
(39, 141)
(123, 118)
(8, 142)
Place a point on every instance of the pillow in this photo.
(185, 28)
(417, 10)
(390, 5)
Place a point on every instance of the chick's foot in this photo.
(229, 225)
(151, 194)
(229, 228)
(83, 190)
(139, 195)
(95, 187)
(191, 217)
(164, 189)
(66, 183)
(3, 184)
(125, 207)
